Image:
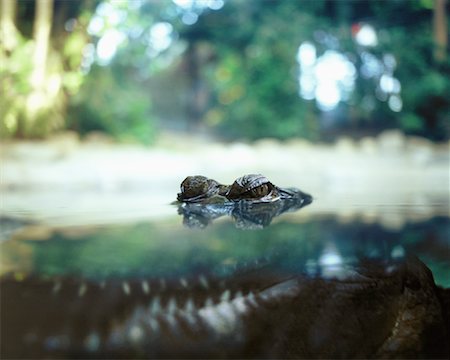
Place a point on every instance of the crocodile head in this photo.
(254, 188)
(252, 201)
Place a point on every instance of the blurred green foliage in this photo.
(232, 72)
(33, 101)
(253, 76)
(110, 102)
(254, 83)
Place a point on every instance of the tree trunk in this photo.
(37, 100)
(8, 31)
(440, 30)
(42, 26)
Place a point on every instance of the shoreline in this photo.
(390, 178)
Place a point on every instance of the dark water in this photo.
(65, 289)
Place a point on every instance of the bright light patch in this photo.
(185, 4)
(111, 13)
(106, 15)
(189, 5)
(395, 103)
(329, 78)
(54, 84)
(386, 83)
(327, 95)
(191, 9)
(371, 66)
(330, 258)
(307, 86)
(189, 18)
(108, 44)
(335, 75)
(160, 36)
(104, 8)
(306, 54)
(96, 25)
(366, 36)
(215, 4)
(389, 84)
(334, 66)
(398, 252)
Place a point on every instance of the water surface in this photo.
(153, 255)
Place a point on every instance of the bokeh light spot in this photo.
(189, 18)
(329, 78)
(306, 55)
(108, 44)
(160, 36)
(395, 103)
(366, 36)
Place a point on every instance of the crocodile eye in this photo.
(249, 187)
(264, 189)
(260, 191)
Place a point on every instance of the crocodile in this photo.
(253, 188)
(252, 201)
(372, 309)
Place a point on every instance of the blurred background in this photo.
(229, 69)
(339, 98)
(107, 105)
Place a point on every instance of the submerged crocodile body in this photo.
(372, 310)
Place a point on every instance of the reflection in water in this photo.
(246, 214)
(313, 289)
(165, 248)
